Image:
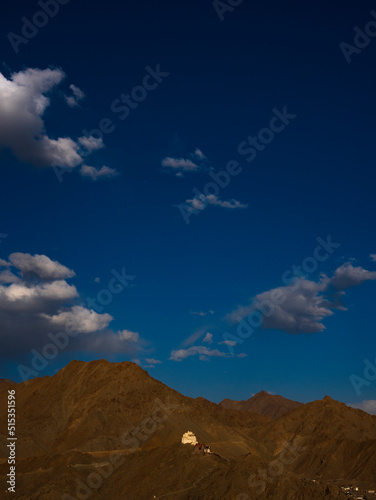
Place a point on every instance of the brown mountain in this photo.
(89, 406)
(6, 384)
(263, 404)
(105, 430)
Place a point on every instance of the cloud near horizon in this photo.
(203, 352)
(301, 306)
(37, 302)
(368, 405)
(23, 102)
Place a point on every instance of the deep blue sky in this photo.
(315, 178)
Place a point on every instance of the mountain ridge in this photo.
(263, 403)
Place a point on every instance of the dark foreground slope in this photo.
(108, 430)
(174, 472)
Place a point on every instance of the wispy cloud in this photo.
(231, 343)
(199, 154)
(152, 362)
(180, 164)
(147, 362)
(196, 162)
(208, 339)
(373, 257)
(191, 339)
(201, 313)
(201, 201)
(203, 352)
(74, 99)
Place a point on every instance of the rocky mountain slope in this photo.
(109, 430)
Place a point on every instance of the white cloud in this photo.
(128, 336)
(373, 257)
(208, 339)
(95, 174)
(82, 320)
(22, 106)
(180, 164)
(151, 362)
(40, 265)
(301, 306)
(36, 302)
(196, 162)
(347, 276)
(369, 406)
(24, 297)
(77, 95)
(147, 363)
(91, 143)
(200, 202)
(201, 351)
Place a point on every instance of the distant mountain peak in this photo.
(263, 403)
